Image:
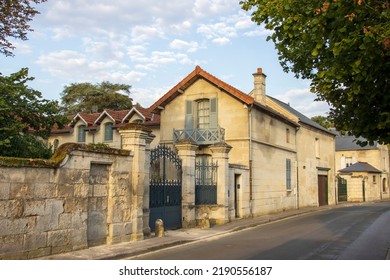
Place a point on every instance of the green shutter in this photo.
(288, 174)
(189, 118)
(213, 113)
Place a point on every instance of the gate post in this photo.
(220, 153)
(186, 151)
(137, 138)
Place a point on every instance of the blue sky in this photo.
(151, 45)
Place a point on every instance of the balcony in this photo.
(200, 136)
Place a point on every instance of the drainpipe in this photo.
(250, 163)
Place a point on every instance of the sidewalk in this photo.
(177, 237)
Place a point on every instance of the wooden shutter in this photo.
(189, 118)
(213, 113)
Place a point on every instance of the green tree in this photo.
(343, 47)
(24, 113)
(324, 121)
(14, 18)
(89, 98)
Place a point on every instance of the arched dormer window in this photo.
(108, 132)
(81, 134)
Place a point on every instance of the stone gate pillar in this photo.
(186, 151)
(220, 153)
(137, 138)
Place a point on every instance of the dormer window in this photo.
(108, 132)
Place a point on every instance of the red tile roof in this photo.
(199, 73)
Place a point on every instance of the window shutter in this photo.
(288, 174)
(213, 113)
(189, 118)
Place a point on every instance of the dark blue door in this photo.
(165, 188)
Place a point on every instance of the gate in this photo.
(165, 187)
(205, 181)
(342, 189)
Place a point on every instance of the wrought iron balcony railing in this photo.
(200, 136)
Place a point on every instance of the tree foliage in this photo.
(24, 113)
(89, 98)
(324, 121)
(343, 47)
(14, 18)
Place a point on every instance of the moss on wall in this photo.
(59, 155)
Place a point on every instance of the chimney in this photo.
(259, 90)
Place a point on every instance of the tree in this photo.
(323, 121)
(89, 98)
(24, 113)
(343, 47)
(14, 18)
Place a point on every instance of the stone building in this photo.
(363, 172)
(95, 128)
(250, 154)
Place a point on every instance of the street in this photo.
(360, 232)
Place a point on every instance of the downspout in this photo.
(250, 163)
(297, 192)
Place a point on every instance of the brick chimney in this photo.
(258, 92)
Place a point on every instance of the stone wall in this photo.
(81, 197)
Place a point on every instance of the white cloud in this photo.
(144, 33)
(184, 45)
(68, 64)
(221, 41)
(205, 8)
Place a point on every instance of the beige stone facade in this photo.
(277, 157)
(365, 168)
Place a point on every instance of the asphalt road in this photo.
(353, 233)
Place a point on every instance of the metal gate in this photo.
(342, 189)
(165, 187)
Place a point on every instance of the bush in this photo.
(25, 146)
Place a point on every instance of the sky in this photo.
(151, 45)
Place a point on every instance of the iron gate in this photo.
(342, 189)
(165, 187)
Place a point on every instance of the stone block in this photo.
(3, 209)
(65, 221)
(99, 190)
(45, 190)
(61, 249)
(4, 230)
(5, 191)
(59, 238)
(11, 243)
(16, 175)
(21, 225)
(65, 190)
(34, 207)
(115, 230)
(79, 238)
(41, 175)
(21, 190)
(77, 204)
(79, 220)
(38, 253)
(81, 190)
(34, 241)
(15, 208)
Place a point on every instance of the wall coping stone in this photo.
(59, 155)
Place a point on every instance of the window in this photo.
(81, 133)
(374, 179)
(348, 161)
(108, 132)
(317, 147)
(287, 135)
(203, 114)
(288, 174)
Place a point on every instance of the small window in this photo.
(287, 135)
(56, 144)
(317, 147)
(108, 132)
(81, 134)
(288, 174)
(374, 179)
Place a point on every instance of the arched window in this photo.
(81, 133)
(108, 132)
